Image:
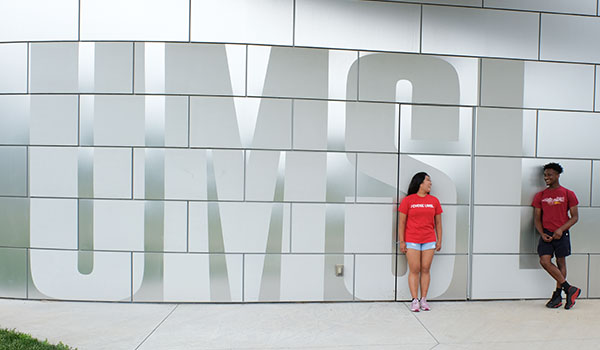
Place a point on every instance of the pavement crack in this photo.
(428, 331)
(155, 328)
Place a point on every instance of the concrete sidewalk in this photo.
(326, 326)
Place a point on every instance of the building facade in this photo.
(241, 150)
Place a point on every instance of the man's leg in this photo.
(553, 270)
(562, 266)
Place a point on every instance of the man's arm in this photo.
(574, 213)
(537, 220)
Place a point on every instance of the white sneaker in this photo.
(424, 305)
(415, 306)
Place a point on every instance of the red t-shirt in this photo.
(420, 217)
(555, 204)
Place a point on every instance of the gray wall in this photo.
(237, 150)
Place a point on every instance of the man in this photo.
(555, 212)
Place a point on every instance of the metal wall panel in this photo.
(54, 275)
(594, 273)
(448, 30)
(505, 132)
(472, 3)
(13, 179)
(302, 73)
(133, 120)
(243, 21)
(583, 7)
(39, 20)
(568, 38)
(134, 20)
(375, 277)
(441, 130)
(186, 174)
(54, 67)
(597, 86)
(523, 178)
(376, 178)
(306, 277)
(240, 122)
(53, 120)
(374, 25)
(38, 120)
(511, 83)
(13, 273)
(189, 277)
(239, 227)
(112, 173)
(515, 236)
(490, 273)
(595, 183)
(176, 226)
(118, 225)
(451, 176)
(578, 134)
(455, 225)
(584, 236)
(338, 228)
(345, 126)
(14, 119)
(448, 278)
(54, 223)
(54, 171)
(185, 68)
(14, 221)
(13, 68)
(410, 78)
(81, 67)
(320, 177)
(368, 127)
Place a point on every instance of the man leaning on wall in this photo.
(554, 214)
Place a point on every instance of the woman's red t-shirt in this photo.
(420, 217)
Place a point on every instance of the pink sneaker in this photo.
(424, 305)
(414, 307)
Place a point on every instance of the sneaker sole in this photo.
(573, 297)
(555, 306)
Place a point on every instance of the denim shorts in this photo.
(420, 246)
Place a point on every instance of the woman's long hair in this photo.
(416, 182)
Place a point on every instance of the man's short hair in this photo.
(554, 166)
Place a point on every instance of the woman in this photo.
(419, 235)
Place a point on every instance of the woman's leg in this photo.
(426, 259)
(413, 257)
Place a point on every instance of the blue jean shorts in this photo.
(420, 246)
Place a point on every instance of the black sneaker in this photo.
(572, 294)
(555, 301)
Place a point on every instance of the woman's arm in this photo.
(438, 232)
(401, 227)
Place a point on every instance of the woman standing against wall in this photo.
(419, 236)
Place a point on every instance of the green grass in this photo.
(13, 340)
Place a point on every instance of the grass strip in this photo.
(13, 340)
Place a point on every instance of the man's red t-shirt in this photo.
(420, 217)
(555, 204)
